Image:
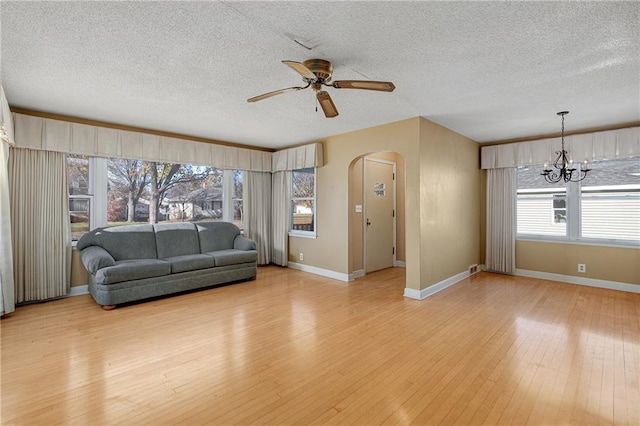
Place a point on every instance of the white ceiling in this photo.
(488, 70)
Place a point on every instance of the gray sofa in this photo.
(135, 262)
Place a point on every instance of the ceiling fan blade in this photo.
(274, 93)
(301, 69)
(382, 86)
(327, 104)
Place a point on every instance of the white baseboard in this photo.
(591, 282)
(399, 264)
(78, 290)
(320, 271)
(356, 274)
(433, 289)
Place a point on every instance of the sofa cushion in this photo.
(190, 262)
(126, 242)
(216, 235)
(127, 270)
(233, 257)
(176, 239)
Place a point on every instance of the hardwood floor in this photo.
(296, 348)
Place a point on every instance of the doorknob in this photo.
(368, 222)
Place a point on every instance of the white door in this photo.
(379, 214)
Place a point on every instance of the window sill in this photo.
(581, 241)
(299, 234)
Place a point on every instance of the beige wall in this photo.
(330, 250)
(450, 192)
(79, 275)
(602, 263)
(441, 201)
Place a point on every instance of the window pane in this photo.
(78, 174)
(303, 183)
(541, 206)
(238, 177)
(238, 213)
(195, 195)
(79, 210)
(610, 200)
(127, 191)
(302, 215)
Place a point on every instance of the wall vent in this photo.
(473, 269)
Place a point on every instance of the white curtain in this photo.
(40, 224)
(7, 301)
(281, 188)
(501, 212)
(257, 208)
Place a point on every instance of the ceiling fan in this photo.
(317, 73)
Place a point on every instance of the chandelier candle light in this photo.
(564, 170)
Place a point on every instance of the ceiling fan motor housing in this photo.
(321, 68)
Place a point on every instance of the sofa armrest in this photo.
(95, 258)
(243, 243)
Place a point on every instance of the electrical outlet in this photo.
(301, 256)
(582, 267)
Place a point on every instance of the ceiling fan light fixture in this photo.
(317, 73)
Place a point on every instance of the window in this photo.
(80, 195)
(116, 191)
(237, 215)
(303, 201)
(603, 208)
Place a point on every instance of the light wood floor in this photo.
(296, 348)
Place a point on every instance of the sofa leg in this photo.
(108, 307)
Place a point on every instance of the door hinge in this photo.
(393, 213)
(393, 250)
(393, 176)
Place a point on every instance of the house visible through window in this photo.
(603, 207)
(303, 201)
(137, 191)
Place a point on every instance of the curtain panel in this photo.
(501, 220)
(257, 207)
(41, 236)
(281, 190)
(607, 145)
(7, 299)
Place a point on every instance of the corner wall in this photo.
(450, 200)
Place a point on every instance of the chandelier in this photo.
(564, 169)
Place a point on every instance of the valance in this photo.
(606, 145)
(300, 157)
(63, 136)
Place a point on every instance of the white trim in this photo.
(433, 289)
(319, 271)
(581, 241)
(307, 234)
(356, 274)
(399, 264)
(78, 290)
(591, 282)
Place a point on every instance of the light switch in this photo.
(358, 208)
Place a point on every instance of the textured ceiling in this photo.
(488, 70)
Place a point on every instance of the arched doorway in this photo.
(375, 189)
